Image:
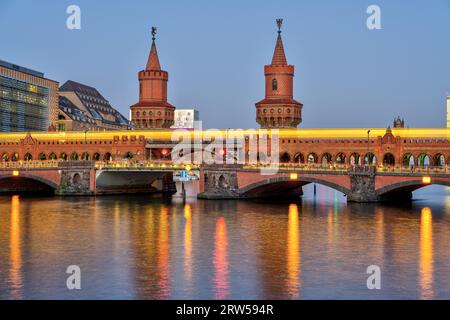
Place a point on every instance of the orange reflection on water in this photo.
(426, 254)
(188, 243)
(15, 249)
(221, 286)
(293, 252)
(163, 255)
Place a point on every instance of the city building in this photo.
(279, 109)
(28, 100)
(185, 118)
(153, 111)
(448, 111)
(83, 108)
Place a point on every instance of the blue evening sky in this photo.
(214, 51)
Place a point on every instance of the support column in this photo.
(219, 182)
(76, 178)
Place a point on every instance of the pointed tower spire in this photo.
(279, 57)
(153, 60)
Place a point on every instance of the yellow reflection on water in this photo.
(293, 252)
(163, 255)
(221, 286)
(188, 244)
(15, 249)
(426, 254)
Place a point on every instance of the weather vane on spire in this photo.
(154, 33)
(279, 24)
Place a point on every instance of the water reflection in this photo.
(147, 248)
(163, 255)
(426, 254)
(221, 289)
(188, 246)
(293, 252)
(15, 250)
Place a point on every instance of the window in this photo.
(274, 85)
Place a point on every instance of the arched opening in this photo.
(74, 156)
(439, 160)
(389, 159)
(285, 158)
(408, 160)
(42, 156)
(312, 158)
(107, 157)
(340, 158)
(24, 185)
(85, 156)
(274, 85)
(15, 157)
(76, 180)
(423, 160)
(326, 159)
(285, 187)
(63, 156)
(52, 156)
(28, 157)
(222, 182)
(299, 158)
(5, 157)
(355, 159)
(370, 159)
(96, 156)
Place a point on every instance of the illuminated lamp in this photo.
(15, 173)
(426, 180)
(164, 152)
(294, 176)
(222, 152)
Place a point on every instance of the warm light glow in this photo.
(166, 135)
(294, 176)
(293, 252)
(188, 168)
(222, 152)
(15, 173)
(188, 244)
(164, 152)
(15, 249)
(426, 253)
(426, 180)
(221, 260)
(163, 255)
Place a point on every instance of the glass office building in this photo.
(26, 99)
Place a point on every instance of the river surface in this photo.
(142, 247)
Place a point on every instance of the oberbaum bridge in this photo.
(365, 165)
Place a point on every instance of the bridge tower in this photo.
(279, 109)
(153, 111)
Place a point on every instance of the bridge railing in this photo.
(28, 164)
(159, 165)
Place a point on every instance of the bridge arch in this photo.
(388, 159)
(285, 157)
(299, 158)
(26, 183)
(439, 160)
(408, 186)
(326, 158)
(340, 158)
(285, 184)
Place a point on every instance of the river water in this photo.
(142, 247)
